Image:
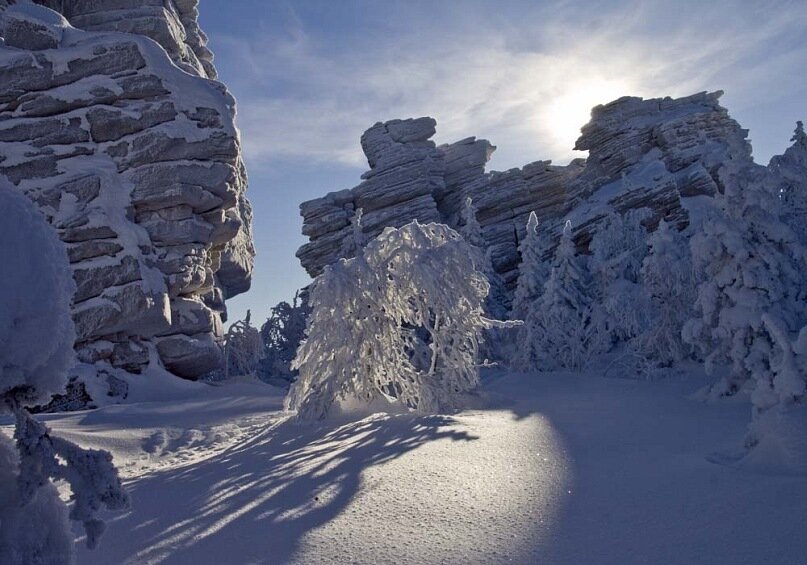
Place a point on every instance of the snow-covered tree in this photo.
(789, 172)
(668, 286)
(533, 270)
(754, 267)
(400, 321)
(36, 351)
(496, 304)
(564, 328)
(243, 348)
(281, 335)
(618, 249)
(355, 240)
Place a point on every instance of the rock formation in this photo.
(127, 144)
(654, 153)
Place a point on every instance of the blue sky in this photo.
(311, 76)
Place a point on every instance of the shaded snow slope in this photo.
(555, 469)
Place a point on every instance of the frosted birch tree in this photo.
(400, 322)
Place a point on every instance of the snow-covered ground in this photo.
(554, 468)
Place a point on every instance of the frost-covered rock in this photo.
(129, 149)
(661, 154)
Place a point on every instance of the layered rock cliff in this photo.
(112, 122)
(656, 153)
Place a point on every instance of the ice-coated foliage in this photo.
(401, 322)
(36, 289)
(281, 335)
(618, 249)
(36, 350)
(243, 348)
(754, 267)
(668, 287)
(533, 272)
(789, 361)
(496, 304)
(563, 329)
(90, 473)
(34, 531)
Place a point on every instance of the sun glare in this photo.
(571, 110)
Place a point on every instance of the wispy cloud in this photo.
(523, 77)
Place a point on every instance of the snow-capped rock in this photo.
(130, 150)
(652, 154)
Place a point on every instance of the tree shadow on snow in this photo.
(257, 500)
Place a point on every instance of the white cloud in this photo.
(525, 84)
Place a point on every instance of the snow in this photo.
(547, 468)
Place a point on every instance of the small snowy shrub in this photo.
(36, 351)
(400, 322)
(563, 329)
(243, 348)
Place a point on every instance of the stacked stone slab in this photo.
(406, 170)
(654, 154)
(651, 154)
(129, 148)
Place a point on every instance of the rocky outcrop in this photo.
(651, 154)
(128, 146)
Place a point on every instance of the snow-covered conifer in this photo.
(243, 348)
(668, 286)
(413, 290)
(36, 351)
(496, 304)
(281, 334)
(534, 269)
(754, 267)
(355, 240)
(618, 249)
(789, 172)
(563, 328)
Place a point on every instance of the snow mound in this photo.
(36, 329)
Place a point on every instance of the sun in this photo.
(571, 110)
